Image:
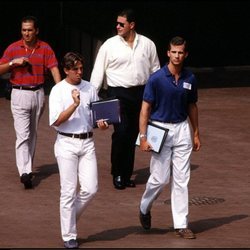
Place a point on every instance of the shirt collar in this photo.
(135, 41)
(168, 73)
(21, 43)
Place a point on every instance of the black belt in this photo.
(32, 88)
(172, 122)
(79, 136)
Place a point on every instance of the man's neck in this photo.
(31, 44)
(175, 70)
(130, 38)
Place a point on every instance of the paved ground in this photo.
(219, 187)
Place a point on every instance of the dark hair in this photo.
(178, 40)
(30, 19)
(129, 14)
(70, 60)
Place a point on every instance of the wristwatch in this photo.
(143, 136)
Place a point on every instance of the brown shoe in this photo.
(185, 233)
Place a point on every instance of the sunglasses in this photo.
(121, 24)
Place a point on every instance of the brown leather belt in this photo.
(79, 136)
(32, 88)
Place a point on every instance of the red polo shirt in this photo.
(42, 57)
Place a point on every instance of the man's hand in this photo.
(21, 61)
(76, 96)
(144, 145)
(102, 124)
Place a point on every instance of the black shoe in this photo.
(26, 180)
(145, 220)
(71, 244)
(118, 182)
(130, 183)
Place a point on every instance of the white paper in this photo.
(155, 136)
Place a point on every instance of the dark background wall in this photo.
(217, 31)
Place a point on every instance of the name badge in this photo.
(187, 85)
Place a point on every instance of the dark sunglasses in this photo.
(121, 24)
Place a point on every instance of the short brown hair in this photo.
(178, 40)
(70, 60)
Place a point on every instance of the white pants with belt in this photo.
(176, 150)
(76, 160)
(27, 107)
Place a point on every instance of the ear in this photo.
(65, 71)
(186, 54)
(168, 53)
(37, 31)
(132, 25)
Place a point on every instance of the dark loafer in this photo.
(130, 183)
(145, 220)
(26, 180)
(118, 182)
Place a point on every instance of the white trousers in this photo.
(176, 152)
(27, 107)
(76, 160)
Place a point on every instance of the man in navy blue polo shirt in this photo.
(169, 99)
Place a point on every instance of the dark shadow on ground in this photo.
(119, 233)
(43, 172)
(207, 224)
(197, 227)
(141, 175)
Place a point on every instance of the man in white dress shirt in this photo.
(125, 62)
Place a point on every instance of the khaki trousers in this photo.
(27, 107)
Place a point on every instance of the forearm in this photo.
(99, 69)
(56, 74)
(97, 79)
(4, 68)
(17, 62)
(144, 117)
(193, 117)
(66, 114)
(143, 124)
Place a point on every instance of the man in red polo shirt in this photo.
(28, 60)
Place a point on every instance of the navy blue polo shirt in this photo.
(170, 100)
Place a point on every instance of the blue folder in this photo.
(107, 109)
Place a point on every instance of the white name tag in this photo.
(187, 85)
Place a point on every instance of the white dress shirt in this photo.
(122, 65)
